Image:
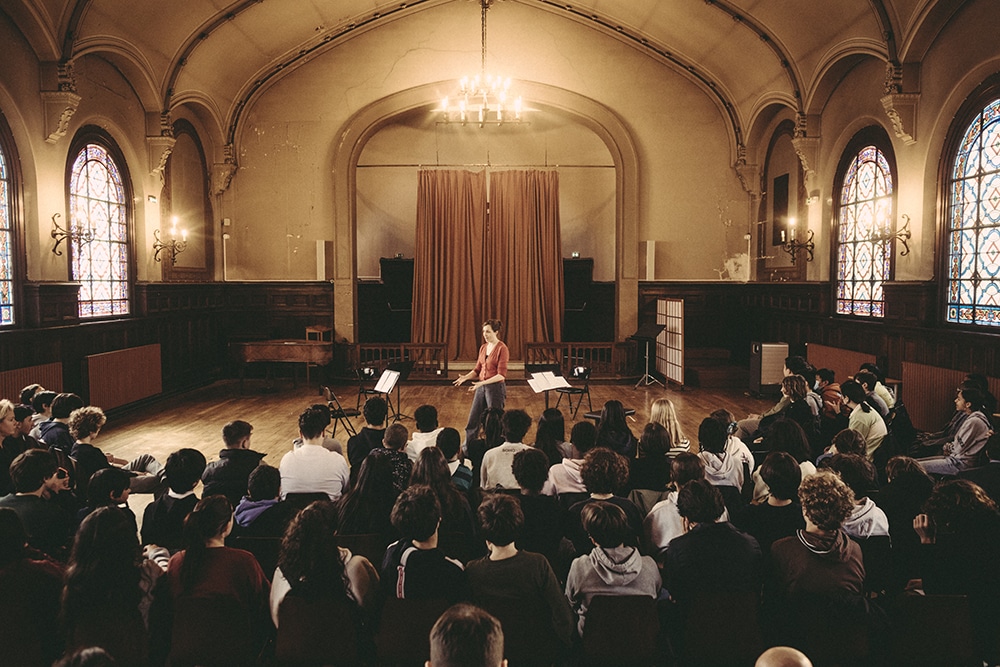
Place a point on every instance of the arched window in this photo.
(973, 191)
(6, 239)
(98, 209)
(864, 224)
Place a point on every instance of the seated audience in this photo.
(229, 475)
(207, 568)
(24, 416)
(36, 480)
(863, 418)
(565, 477)
(902, 499)
(108, 487)
(9, 447)
(845, 442)
(496, 468)
(457, 531)
(466, 636)
(604, 473)
(371, 435)
(313, 567)
(392, 450)
(28, 393)
(930, 444)
(821, 559)
(551, 434)
(163, 519)
(783, 656)
(663, 523)
(612, 566)
(55, 432)
(311, 468)
(367, 506)
(785, 436)
(85, 425)
(414, 567)
(41, 405)
(879, 387)
(866, 519)
(109, 587)
(868, 382)
(780, 515)
(543, 515)
(509, 573)
(964, 451)
(662, 412)
(987, 476)
(613, 431)
(331, 444)
(746, 429)
(833, 400)
(725, 456)
(488, 436)
(449, 441)
(426, 417)
(261, 512)
(651, 470)
(711, 556)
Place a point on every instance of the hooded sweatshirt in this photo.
(616, 571)
(867, 520)
(969, 440)
(727, 469)
(565, 477)
(818, 564)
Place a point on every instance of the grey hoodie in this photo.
(616, 571)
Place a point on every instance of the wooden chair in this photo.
(931, 630)
(264, 549)
(212, 632)
(318, 632)
(339, 414)
(580, 374)
(621, 630)
(404, 629)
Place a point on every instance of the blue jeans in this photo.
(486, 396)
(942, 465)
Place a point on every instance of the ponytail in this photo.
(853, 390)
(208, 519)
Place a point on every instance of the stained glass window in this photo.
(6, 244)
(974, 223)
(98, 209)
(864, 262)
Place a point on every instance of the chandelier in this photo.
(483, 98)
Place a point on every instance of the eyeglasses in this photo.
(62, 473)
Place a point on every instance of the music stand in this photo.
(404, 368)
(647, 333)
(386, 382)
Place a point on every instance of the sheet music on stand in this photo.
(546, 381)
(387, 381)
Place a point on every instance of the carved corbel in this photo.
(807, 148)
(749, 175)
(223, 172)
(159, 147)
(59, 108)
(901, 108)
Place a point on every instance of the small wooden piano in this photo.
(282, 351)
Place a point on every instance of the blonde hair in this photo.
(662, 413)
(6, 408)
(86, 421)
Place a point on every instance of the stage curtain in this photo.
(448, 266)
(524, 286)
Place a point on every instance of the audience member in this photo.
(727, 460)
(866, 519)
(902, 499)
(28, 393)
(780, 515)
(392, 450)
(803, 407)
(829, 392)
(41, 404)
(550, 435)
(229, 475)
(651, 470)
(92, 656)
(783, 656)
(963, 452)
(663, 523)
(30, 589)
(367, 506)
(711, 556)
(163, 519)
(55, 432)
(85, 425)
(496, 468)
(746, 429)
(414, 567)
(868, 382)
(313, 567)
(371, 435)
(456, 534)
(604, 473)
(565, 477)
(845, 442)
(863, 418)
(879, 387)
(36, 479)
(613, 431)
(785, 436)
(326, 418)
(108, 487)
(488, 436)
(466, 636)
(311, 468)
(612, 566)
(662, 412)
(9, 447)
(109, 587)
(987, 476)
(426, 417)
(980, 382)
(261, 512)
(543, 515)
(449, 441)
(509, 573)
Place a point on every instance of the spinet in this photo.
(282, 351)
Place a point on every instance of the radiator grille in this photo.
(124, 376)
(929, 392)
(844, 363)
(13, 381)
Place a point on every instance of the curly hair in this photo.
(795, 387)
(86, 421)
(905, 466)
(957, 504)
(604, 471)
(826, 500)
(309, 558)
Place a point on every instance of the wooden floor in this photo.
(196, 419)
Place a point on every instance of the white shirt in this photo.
(421, 441)
(498, 464)
(313, 469)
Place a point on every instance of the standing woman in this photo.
(491, 367)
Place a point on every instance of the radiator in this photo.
(930, 394)
(124, 376)
(13, 381)
(844, 363)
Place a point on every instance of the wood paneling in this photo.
(124, 376)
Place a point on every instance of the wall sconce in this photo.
(60, 235)
(792, 247)
(903, 235)
(172, 245)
